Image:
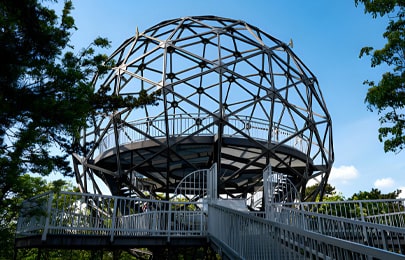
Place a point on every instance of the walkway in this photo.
(338, 230)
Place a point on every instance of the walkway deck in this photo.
(284, 231)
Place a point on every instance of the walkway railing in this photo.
(202, 125)
(388, 212)
(243, 236)
(378, 236)
(88, 214)
(338, 230)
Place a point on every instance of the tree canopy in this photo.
(46, 90)
(46, 95)
(387, 96)
(374, 194)
(330, 193)
(9, 209)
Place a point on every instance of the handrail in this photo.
(387, 211)
(362, 232)
(203, 125)
(245, 236)
(291, 231)
(68, 213)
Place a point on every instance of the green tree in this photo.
(27, 188)
(375, 204)
(46, 97)
(43, 95)
(374, 194)
(387, 96)
(330, 193)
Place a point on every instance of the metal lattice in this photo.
(230, 94)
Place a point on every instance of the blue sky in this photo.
(327, 36)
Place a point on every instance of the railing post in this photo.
(114, 216)
(304, 222)
(181, 125)
(169, 221)
(363, 221)
(266, 190)
(212, 185)
(48, 213)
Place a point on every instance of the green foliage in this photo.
(32, 254)
(47, 97)
(387, 96)
(374, 194)
(46, 89)
(363, 204)
(330, 193)
(378, 207)
(24, 187)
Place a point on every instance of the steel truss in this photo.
(230, 94)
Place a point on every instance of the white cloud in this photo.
(314, 181)
(343, 174)
(384, 183)
(339, 176)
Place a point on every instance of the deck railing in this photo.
(203, 125)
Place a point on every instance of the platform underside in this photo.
(163, 163)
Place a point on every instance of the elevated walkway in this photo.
(284, 231)
(196, 217)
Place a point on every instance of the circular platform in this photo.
(242, 159)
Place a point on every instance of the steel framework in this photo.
(230, 94)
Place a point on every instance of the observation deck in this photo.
(194, 139)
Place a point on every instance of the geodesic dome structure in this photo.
(230, 94)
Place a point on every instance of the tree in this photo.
(374, 194)
(330, 193)
(46, 96)
(28, 187)
(43, 97)
(387, 96)
(377, 206)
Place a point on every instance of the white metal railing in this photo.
(89, 214)
(241, 235)
(286, 230)
(198, 185)
(323, 230)
(244, 236)
(33, 215)
(278, 187)
(388, 212)
(370, 234)
(202, 125)
(193, 186)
